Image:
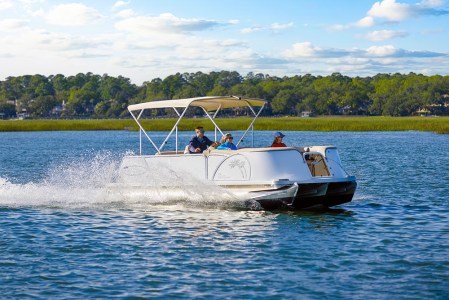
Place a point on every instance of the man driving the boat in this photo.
(199, 142)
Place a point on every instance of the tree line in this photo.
(107, 96)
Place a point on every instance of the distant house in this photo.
(422, 112)
(434, 109)
(306, 114)
(346, 110)
(58, 109)
(23, 116)
(90, 109)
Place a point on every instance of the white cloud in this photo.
(273, 27)
(394, 11)
(166, 22)
(143, 46)
(391, 10)
(339, 27)
(226, 43)
(380, 51)
(350, 61)
(432, 3)
(12, 24)
(37, 13)
(184, 55)
(382, 35)
(72, 14)
(5, 4)
(393, 53)
(308, 50)
(28, 41)
(251, 29)
(125, 13)
(308, 58)
(279, 26)
(305, 49)
(30, 2)
(120, 4)
(348, 65)
(367, 21)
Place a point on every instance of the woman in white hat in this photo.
(278, 140)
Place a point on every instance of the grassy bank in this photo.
(434, 124)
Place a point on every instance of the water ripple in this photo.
(61, 237)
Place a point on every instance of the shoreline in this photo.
(326, 124)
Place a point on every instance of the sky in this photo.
(147, 39)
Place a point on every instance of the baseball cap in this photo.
(279, 134)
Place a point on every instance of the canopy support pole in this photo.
(216, 126)
(140, 134)
(213, 117)
(252, 138)
(173, 129)
(176, 143)
(252, 123)
(143, 130)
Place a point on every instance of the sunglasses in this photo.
(229, 138)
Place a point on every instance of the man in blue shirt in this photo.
(199, 142)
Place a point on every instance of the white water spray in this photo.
(85, 183)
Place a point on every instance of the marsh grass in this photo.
(434, 124)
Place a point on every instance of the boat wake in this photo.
(86, 184)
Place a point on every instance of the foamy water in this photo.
(91, 183)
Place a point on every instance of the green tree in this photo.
(76, 104)
(269, 88)
(13, 88)
(172, 85)
(385, 96)
(200, 82)
(7, 110)
(247, 90)
(284, 102)
(356, 96)
(102, 107)
(42, 106)
(228, 79)
(61, 87)
(218, 90)
(154, 90)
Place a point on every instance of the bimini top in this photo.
(211, 103)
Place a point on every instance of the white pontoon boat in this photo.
(277, 178)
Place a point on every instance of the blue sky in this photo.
(145, 39)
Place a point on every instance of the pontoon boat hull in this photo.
(337, 193)
(282, 178)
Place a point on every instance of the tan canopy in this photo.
(211, 103)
